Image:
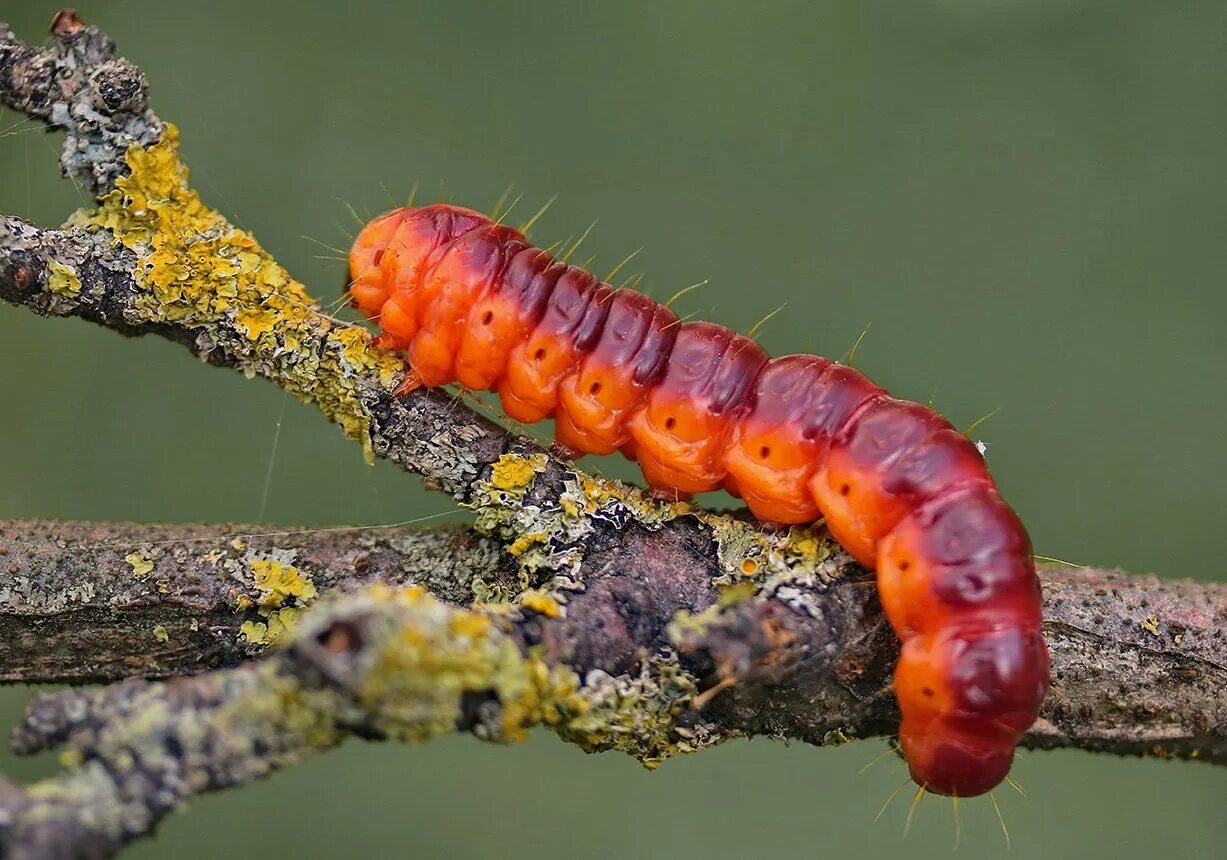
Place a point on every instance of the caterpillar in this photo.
(799, 437)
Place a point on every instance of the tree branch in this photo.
(402, 665)
(1139, 664)
(619, 621)
(171, 600)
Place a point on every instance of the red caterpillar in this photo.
(796, 437)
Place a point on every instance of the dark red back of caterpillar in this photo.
(796, 437)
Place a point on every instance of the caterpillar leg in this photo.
(662, 494)
(411, 382)
(384, 341)
(563, 451)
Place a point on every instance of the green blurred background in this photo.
(1025, 197)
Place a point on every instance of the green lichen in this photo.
(196, 270)
(548, 537)
(536, 537)
(692, 626)
(747, 552)
(495, 593)
(731, 595)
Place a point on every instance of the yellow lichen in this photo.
(160, 633)
(470, 624)
(600, 492)
(514, 474)
(408, 594)
(197, 270)
(358, 354)
(733, 594)
(278, 582)
(255, 632)
(434, 653)
(255, 322)
(141, 566)
(524, 543)
(541, 603)
(63, 279)
(283, 619)
(805, 545)
(282, 591)
(275, 625)
(1151, 624)
(550, 695)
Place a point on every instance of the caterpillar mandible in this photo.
(701, 407)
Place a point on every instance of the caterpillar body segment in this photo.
(797, 437)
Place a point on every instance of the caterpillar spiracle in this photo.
(798, 437)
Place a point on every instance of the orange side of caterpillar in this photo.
(699, 407)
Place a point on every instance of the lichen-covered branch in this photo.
(171, 600)
(1139, 664)
(620, 621)
(385, 663)
(399, 664)
(81, 86)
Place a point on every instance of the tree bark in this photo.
(159, 600)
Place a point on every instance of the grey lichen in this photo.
(647, 714)
(79, 85)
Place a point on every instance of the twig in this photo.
(171, 600)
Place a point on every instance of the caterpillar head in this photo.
(364, 280)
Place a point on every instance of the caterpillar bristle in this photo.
(614, 271)
(851, 355)
(528, 225)
(891, 797)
